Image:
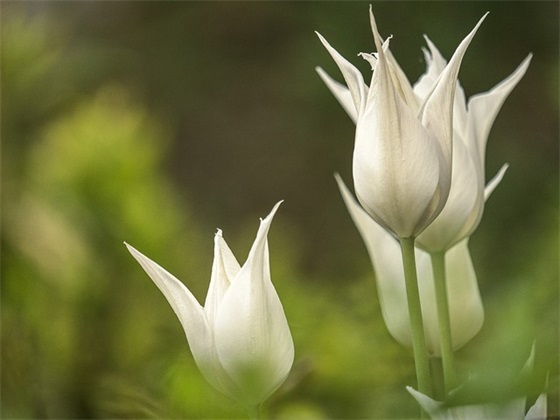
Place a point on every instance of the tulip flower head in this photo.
(471, 126)
(240, 338)
(403, 146)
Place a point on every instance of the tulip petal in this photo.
(388, 133)
(466, 310)
(483, 108)
(538, 410)
(437, 111)
(385, 256)
(224, 269)
(398, 77)
(435, 66)
(340, 92)
(193, 319)
(397, 74)
(494, 182)
(351, 74)
(462, 212)
(253, 338)
(432, 407)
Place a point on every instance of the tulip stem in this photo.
(444, 321)
(415, 314)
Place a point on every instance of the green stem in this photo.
(436, 370)
(444, 322)
(415, 315)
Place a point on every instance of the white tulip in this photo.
(471, 126)
(240, 339)
(403, 146)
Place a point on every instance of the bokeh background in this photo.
(158, 122)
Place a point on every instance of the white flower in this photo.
(465, 304)
(471, 127)
(240, 339)
(403, 146)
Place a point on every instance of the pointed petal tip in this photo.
(322, 39)
(272, 213)
(482, 19)
(525, 63)
(494, 182)
(339, 181)
(375, 31)
(275, 208)
(131, 249)
(326, 44)
(322, 74)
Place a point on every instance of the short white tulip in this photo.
(240, 339)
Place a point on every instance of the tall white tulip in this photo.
(465, 304)
(403, 145)
(471, 126)
(240, 338)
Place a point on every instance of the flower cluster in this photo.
(420, 190)
(461, 211)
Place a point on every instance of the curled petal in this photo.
(483, 108)
(341, 93)
(351, 75)
(494, 182)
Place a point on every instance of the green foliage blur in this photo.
(157, 122)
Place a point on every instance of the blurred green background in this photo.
(158, 122)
